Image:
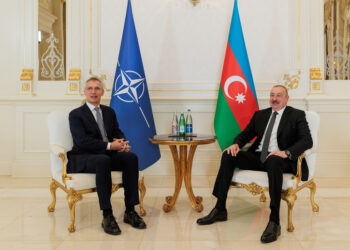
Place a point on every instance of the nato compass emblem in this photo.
(129, 87)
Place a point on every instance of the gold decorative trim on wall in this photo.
(73, 86)
(316, 82)
(195, 2)
(316, 86)
(315, 74)
(26, 82)
(27, 75)
(74, 75)
(25, 87)
(291, 81)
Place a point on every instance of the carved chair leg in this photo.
(142, 190)
(73, 197)
(53, 187)
(312, 187)
(290, 199)
(262, 197)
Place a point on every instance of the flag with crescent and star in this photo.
(237, 99)
(130, 99)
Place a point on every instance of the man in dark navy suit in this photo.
(282, 134)
(99, 146)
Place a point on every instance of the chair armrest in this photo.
(311, 151)
(56, 149)
(61, 153)
(298, 175)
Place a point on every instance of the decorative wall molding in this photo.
(315, 74)
(73, 87)
(46, 20)
(195, 2)
(291, 80)
(26, 82)
(316, 82)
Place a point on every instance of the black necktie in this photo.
(267, 138)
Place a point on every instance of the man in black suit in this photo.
(99, 146)
(282, 134)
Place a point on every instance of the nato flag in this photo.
(130, 98)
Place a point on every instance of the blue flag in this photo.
(130, 98)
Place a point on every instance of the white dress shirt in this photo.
(273, 145)
(93, 111)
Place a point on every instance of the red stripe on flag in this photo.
(236, 89)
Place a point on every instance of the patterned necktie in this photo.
(100, 124)
(267, 138)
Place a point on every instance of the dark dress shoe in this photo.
(110, 226)
(213, 216)
(271, 233)
(134, 220)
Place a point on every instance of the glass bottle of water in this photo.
(175, 125)
(182, 125)
(189, 124)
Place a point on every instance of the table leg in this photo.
(196, 201)
(171, 200)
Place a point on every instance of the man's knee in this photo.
(228, 162)
(102, 162)
(131, 160)
(273, 163)
(132, 157)
(228, 157)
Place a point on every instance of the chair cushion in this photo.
(86, 181)
(260, 178)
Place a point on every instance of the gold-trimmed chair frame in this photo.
(288, 195)
(73, 196)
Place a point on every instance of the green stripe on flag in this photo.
(225, 124)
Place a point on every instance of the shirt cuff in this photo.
(109, 146)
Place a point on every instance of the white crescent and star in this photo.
(240, 97)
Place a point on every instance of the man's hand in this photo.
(279, 153)
(232, 150)
(120, 145)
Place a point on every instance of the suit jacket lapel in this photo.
(90, 116)
(284, 120)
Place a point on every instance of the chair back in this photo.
(60, 139)
(313, 120)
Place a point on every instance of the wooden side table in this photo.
(183, 165)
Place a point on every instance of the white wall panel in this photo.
(10, 46)
(182, 43)
(183, 49)
(35, 134)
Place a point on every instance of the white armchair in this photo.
(75, 185)
(256, 182)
